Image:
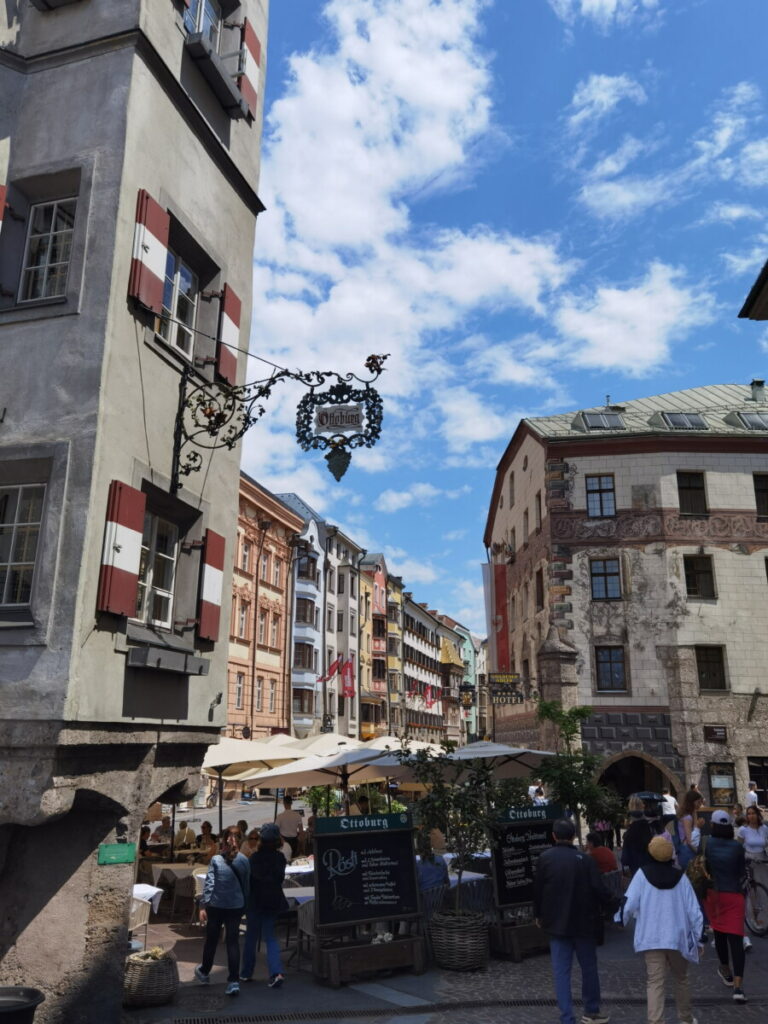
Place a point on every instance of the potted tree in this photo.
(462, 801)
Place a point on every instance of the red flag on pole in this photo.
(348, 679)
(334, 668)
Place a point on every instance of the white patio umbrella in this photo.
(508, 762)
(326, 743)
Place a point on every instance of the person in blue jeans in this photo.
(224, 898)
(265, 901)
(568, 897)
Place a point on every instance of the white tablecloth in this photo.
(301, 894)
(179, 870)
(466, 876)
(150, 893)
(299, 869)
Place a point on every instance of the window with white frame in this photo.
(274, 638)
(277, 572)
(262, 626)
(242, 622)
(239, 688)
(259, 693)
(341, 583)
(204, 16)
(265, 566)
(352, 623)
(272, 691)
(157, 571)
(245, 556)
(177, 321)
(21, 513)
(48, 250)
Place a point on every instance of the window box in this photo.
(215, 72)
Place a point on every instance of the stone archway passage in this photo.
(632, 771)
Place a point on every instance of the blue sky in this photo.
(530, 204)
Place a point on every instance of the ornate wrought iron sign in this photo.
(215, 414)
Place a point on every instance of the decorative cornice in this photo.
(721, 528)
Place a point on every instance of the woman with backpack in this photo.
(724, 902)
(222, 904)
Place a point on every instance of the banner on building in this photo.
(348, 679)
(334, 668)
(501, 618)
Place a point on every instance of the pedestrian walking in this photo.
(222, 905)
(687, 831)
(668, 803)
(290, 824)
(568, 897)
(641, 829)
(724, 902)
(265, 901)
(750, 799)
(754, 835)
(668, 923)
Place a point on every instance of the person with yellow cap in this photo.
(668, 923)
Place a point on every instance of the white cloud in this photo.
(417, 494)
(753, 164)
(466, 604)
(762, 341)
(617, 162)
(598, 96)
(631, 329)
(411, 569)
(729, 213)
(454, 535)
(468, 419)
(748, 261)
(606, 14)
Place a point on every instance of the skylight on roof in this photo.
(685, 421)
(754, 420)
(603, 421)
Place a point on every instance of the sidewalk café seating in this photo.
(139, 917)
(185, 888)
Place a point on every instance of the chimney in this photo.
(758, 390)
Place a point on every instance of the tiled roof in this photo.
(717, 403)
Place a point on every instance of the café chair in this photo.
(305, 929)
(184, 889)
(139, 917)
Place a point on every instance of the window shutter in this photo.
(150, 253)
(248, 80)
(3, 191)
(229, 335)
(121, 558)
(211, 579)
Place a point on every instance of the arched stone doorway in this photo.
(633, 771)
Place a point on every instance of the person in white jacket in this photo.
(668, 923)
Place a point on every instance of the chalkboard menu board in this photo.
(365, 869)
(517, 843)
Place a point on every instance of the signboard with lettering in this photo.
(716, 734)
(365, 869)
(519, 838)
(330, 419)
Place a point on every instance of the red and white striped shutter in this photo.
(229, 335)
(121, 557)
(248, 80)
(150, 253)
(3, 191)
(211, 580)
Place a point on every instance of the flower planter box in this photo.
(339, 964)
(514, 941)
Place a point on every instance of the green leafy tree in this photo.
(463, 801)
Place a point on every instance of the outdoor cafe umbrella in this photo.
(507, 762)
(242, 760)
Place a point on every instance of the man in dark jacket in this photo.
(567, 898)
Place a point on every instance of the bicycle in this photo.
(756, 905)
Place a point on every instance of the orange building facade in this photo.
(259, 683)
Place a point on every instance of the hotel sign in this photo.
(330, 419)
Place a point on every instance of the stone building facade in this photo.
(630, 543)
(129, 157)
(259, 688)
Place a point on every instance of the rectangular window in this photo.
(525, 527)
(274, 639)
(48, 250)
(761, 493)
(277, 572)
(21, 514)
(341, 583)
(259, 693)
(340, 622)
(204, 16)
(303, 656)
(245, 556)
(601, 496)
(239, 686)
(352, 623)
(537, 510)
(307, 569)
(603, 421)
(331, 623)
(265, 566)
(692, 495)
(526, 671)
(539, 589)
(272, 691)
(685, 421)
(157, 571)
(305, 611)
(699, 577)
(611, 674)
(303, 702)
(262, 627)
(332, 581)
(710, 665)
(242, 622)
(511, 489)
(176, 324)
(606, 579)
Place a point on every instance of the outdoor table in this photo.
(301, 894)
(150, 893)
(179, 870)
(466, 878)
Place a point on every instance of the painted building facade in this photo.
(374, 698)
(422, 679)
(259, 685)
(631, 543)
(395, 655)
(129, 158)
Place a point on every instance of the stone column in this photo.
(557, 680)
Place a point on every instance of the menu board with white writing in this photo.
(365, 873)
(516, 848)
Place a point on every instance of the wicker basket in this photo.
(459, 940)
(149, 981)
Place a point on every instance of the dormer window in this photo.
(685, 421)
(603, 421)
(754, 420)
